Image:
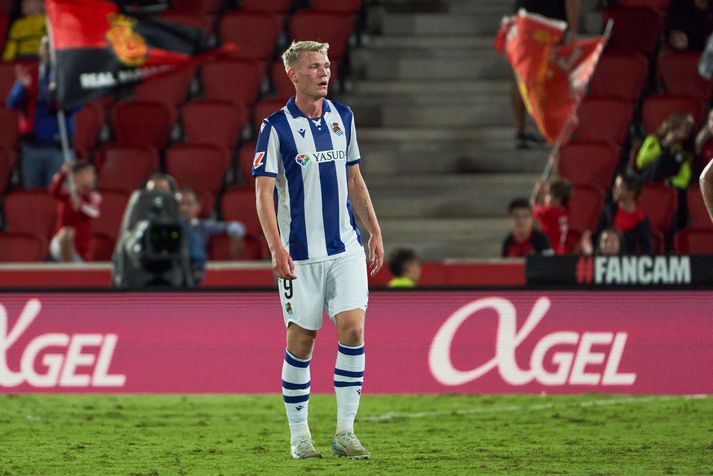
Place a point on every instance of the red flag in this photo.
(552, 76)
(98, 49)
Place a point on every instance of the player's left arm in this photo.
(707, 188)
(361, 202)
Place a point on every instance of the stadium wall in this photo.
(647, 342)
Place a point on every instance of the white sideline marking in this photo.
(521, 408)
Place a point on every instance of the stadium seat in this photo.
(604, 119)
(659, 203)
(620, 76)
(270, 6)
(636, 29)
(246, 154)
(7, 165)
(333, 28)
(139, 122)
(264, 109)
(693, 241)
(657, 108)
(341, 6)
(697, 213)
(660, 5)
(22, 247)
(88, 123)
(202, 22)
(111, 213)
(589, 163)
(254, 248)
(31, 211)
(7, 80)
(238, 204)
(198, 165)
(254, 33)
(126, 168)
(585, 208)
(101, 247)
(244, 78)
(171, 89)
(9, 129)
(118, 150)
(226, 121)
(208, 7)
(678, 75)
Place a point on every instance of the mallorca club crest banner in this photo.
(98, 50)
(552, 76)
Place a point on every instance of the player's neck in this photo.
(310, 106)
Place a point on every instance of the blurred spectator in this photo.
(565, 10)
(406, 268)
(204, 229)
(32, 94)
(704, 144)
(196, 252)
(524, 239)
(625, 215)
(688, 24)
(75, 211)
(667, 156)
(26, 32)
(552, 214)
(610, 243)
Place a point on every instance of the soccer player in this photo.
(307, 151)
(707, 187)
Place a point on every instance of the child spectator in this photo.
(665, 156)
(624, 215)
(552, 214)
(204, 229)
(26, 32)
(406, 268)
(75, 211)
(688, 24)
(524, 239)
(610, 243)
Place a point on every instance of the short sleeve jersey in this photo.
(309, 159)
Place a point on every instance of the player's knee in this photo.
(351, 334)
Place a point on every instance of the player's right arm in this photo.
(707, 187)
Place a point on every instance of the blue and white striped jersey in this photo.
(309, 159)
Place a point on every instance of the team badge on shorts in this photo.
(288, 308)
(336, 129)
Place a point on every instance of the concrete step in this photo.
(432, 42)
(441, 238)
(422, 90)
(486, 111)
(474, 23)
(496, 137)
(479, 65)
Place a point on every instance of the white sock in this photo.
(295, 393)
(348, 380)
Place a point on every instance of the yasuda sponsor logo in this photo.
(320, 157)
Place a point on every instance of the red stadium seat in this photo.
(585, 208)
(693, 241)
(243, 78)
(209, 7)
(657, 108)
(659, 203)
(7, 80)
(636, 29)
(333, 28)
(119, 150)
(171, 89)
(678, 74)
(264, 109)
(338, 6)
(254, 33)
(198, 165)
(31, 211)
(697, 213)
(139, 122)
(270, 6)
(112, 212)
(589, 163)
(126, 168)
(254, 248)
(620, 76)
(246, 154)
(202, 22)
(604, 119)
(88, 123)
(238, 204)
(22, 247)
(660, 5)
(9, 129)
(7, 165)
(213, 122)
(101, 247)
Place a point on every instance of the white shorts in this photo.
(56, 251)
(332, 286)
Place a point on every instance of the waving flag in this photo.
(98, 50)
(552, 76)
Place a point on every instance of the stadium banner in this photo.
(98, 50)
(619, 271)
(416, 342)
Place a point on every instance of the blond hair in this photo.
(291, 56)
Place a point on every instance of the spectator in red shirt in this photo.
(75, 212)
(524, 239)
(552, 214)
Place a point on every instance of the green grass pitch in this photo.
(213, 434)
